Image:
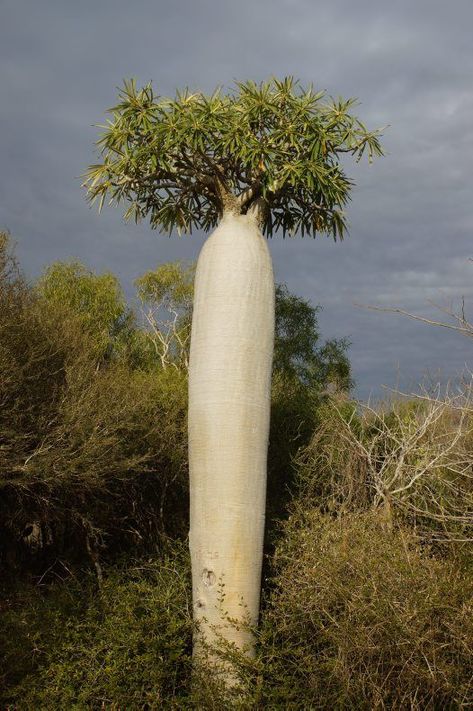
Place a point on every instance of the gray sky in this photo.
(411, 218)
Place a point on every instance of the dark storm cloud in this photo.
(411, 220)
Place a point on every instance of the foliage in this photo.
(92, 450)
(297, 353)
(166, 294)
(96, 299)
(171, 283)
(368, 596)
(32, 361)
(93, 455)
(305, 372)
(127, 647)
(182, 161)
(357, 616)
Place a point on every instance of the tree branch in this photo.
(467, 329)
(249, 194)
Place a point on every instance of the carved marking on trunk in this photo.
(208, 577)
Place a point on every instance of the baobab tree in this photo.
(261, 159)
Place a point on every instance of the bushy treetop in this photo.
(184, 161)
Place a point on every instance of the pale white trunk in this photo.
(229, 404)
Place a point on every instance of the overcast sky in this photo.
(410, 62)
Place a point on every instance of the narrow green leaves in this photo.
(177, 161)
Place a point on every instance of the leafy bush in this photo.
(127, 647)
(360, 616)
(96, 301)
(92, 448)
(305, 371)
(331, 473)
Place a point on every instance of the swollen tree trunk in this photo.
(229, 404)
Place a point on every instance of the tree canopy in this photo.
(297, 351)
(96, 300)
(166, 295)
(183, 161)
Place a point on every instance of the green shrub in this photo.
(304, 372)
(70, 647)
(358, 616)
(93, 452)
(96, 301)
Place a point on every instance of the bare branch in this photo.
(466, 329)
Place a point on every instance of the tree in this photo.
(95, 300)
(304, 369)
(297, 353)
(166, 296)
(262, 158)
(305, 372)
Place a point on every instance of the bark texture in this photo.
(229, 405)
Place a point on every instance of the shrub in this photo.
(331, 472)
(359, 617)
(362, 617)
(92, 448)
(110, 466)
(412, 459)
(127, 647)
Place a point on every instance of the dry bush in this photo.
(110, 467)
(330, 472)
(414, 460)
(362, 617)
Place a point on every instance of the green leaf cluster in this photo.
(170, 282)
(96, 300)
(183, 161)
(297, 352)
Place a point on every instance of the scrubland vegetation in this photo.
(368, 577)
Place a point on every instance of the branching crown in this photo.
(184, 161)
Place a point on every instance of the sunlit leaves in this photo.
(176, 161)
(172, 281)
